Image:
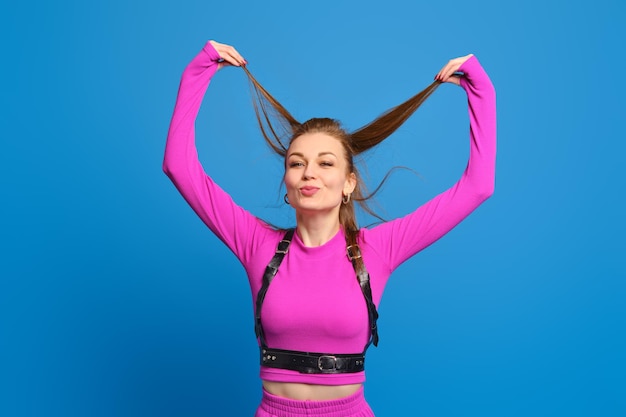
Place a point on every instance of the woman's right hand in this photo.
(448, 73)
(228, 54)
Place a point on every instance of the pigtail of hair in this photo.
(268, 111)
(384, 125)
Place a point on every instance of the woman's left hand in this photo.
(446, 74)
(228, 55)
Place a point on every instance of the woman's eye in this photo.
(327, 164)
(295, 164)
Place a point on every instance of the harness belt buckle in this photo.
(327, 363)
(354, 252)
(283, 246)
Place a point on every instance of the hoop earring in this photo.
(286, 199)
(346, 199)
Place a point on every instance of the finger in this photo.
(447, 71)
(443, 74)
(239, 58)
(448, 74)
(232, 60)
(455, 79)
(438, 76)
(451, 68)
(235, 55)
(223, 64)
(228, 53)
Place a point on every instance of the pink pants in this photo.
(352, 406)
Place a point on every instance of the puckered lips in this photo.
(308, 191)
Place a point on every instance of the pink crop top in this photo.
(314, 303)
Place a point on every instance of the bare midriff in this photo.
(302, 392)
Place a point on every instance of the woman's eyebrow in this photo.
(301, 155)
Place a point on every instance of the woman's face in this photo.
(316, 173)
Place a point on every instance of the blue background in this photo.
(115, 300)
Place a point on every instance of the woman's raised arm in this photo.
(228, 221)
(402, 238)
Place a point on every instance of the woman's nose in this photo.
(309, 172)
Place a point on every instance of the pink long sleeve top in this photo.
(314, 303)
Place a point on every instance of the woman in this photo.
(318, 316)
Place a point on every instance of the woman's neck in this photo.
(317, 230)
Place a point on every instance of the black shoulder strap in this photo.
(354, 253)
(268, 276)
(362, 275)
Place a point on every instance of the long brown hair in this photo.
(280, 128)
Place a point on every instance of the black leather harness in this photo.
(313, 362)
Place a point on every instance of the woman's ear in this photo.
(350, 184)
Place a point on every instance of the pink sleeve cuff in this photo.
(211, 52)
